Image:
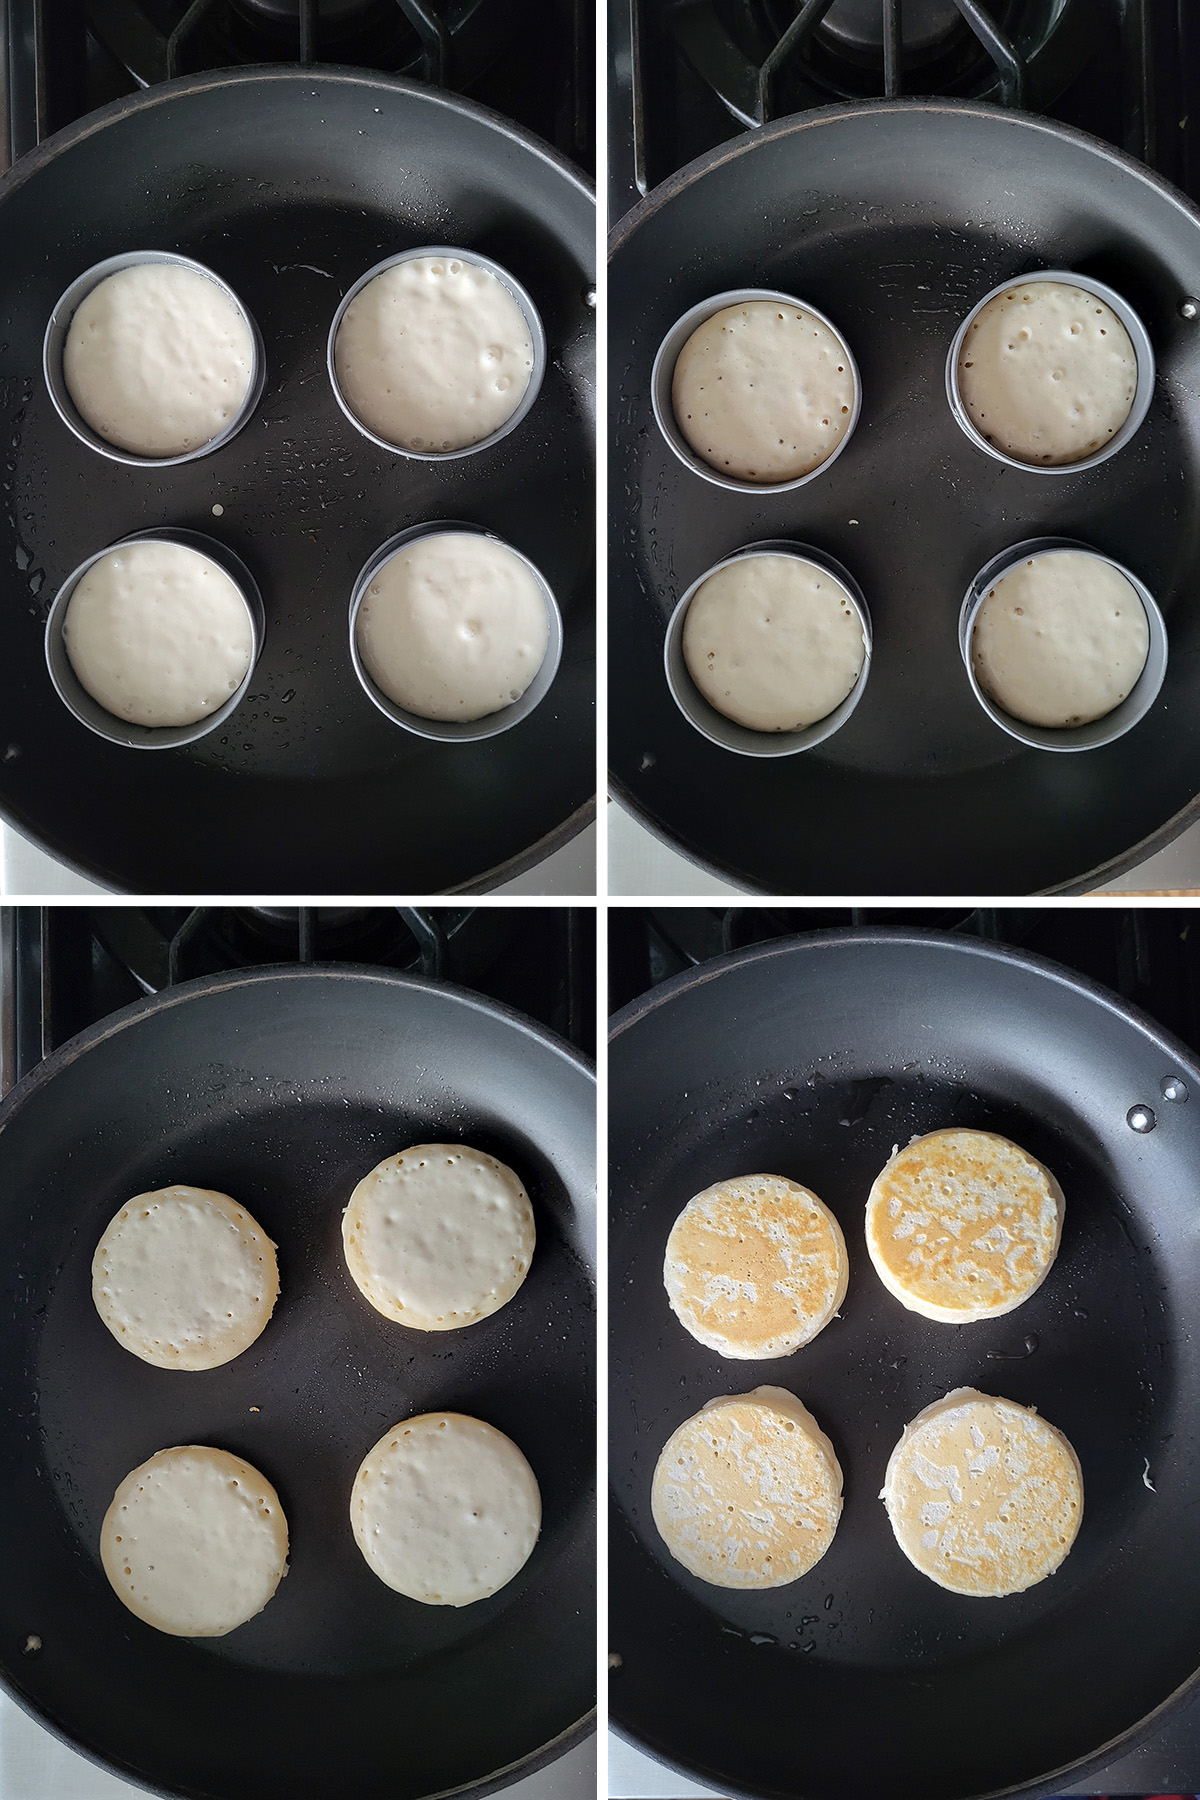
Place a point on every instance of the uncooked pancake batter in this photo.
(453, 626)
(158, 359)
(773, 642)
(763, 391)
(434, 354)
(1061, 639)
(158, 634)
(1047, 372)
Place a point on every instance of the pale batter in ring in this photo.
(1047, 372)
(433, 354)
(763, 391)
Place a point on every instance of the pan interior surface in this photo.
(894, 221)
(290, 184)
(284, 1092)
(814, 1059)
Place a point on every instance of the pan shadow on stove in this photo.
(809, 1043)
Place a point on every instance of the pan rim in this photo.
(567, 829)
(105, 1030)
(842, 937)
(646, 208)
(914, 937)
(162, 92)
(816, 116)
(93, 1036)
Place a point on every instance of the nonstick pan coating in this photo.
(812, 1058)
(894, 219)
(290, 183)
(283, 1087)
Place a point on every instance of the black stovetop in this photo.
(531, 60)
(63, 968)
(688, 75)
(1148, 955)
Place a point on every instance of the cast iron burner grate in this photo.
(531, 60)
(689, 74)
(64, 968)
(762, 62)
(447, 42)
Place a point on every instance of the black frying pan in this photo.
(894, 218)
(812, 1057)
(290, 183)
(284, 1086)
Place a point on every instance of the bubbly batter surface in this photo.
(158, 359)
(755, 1266)
(748, 1493)
(963, 1225)
(1047, 372)
(1061, 639)
(453, 627)
(434, 354)
(195, 1541)
(445, 1509)
(185, 1278)
(763, 391)
(773, 642)
(158, 634)
(984, 1496)
(439, 1236)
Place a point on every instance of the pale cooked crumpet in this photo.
(445, 1509)
(984, 1497)
(773, 642)
(963, 1225)
(1061, 639)
(748, 1493)
(185, 1278)
(195, 1541)
(158, 359)
(439, 1236)
(1047, 372)
(434, 354)
(763, 391)
(755, 1266)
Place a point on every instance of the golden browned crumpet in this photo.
(748, 1493)
(963, 1225)
(755, 1266)
(984, 1496)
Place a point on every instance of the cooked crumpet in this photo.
(963, 1225)
(755, 1266)
(185, 1278)
(439, 1236)
(984, 1497)
(195, 1541)
(748, 1493)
